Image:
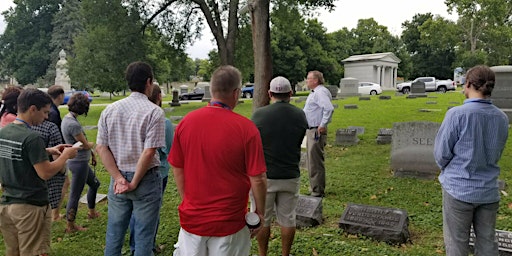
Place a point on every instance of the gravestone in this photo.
(207, 95)
(399, 94)
(450, 107)
(346, 137)
(411, 96)
(429, 110)
(502, 93)
(384, 136)
(303, 160)
(384, 97)
(61, 72)
(383, 224)
(168, 110)
(335, 106)
(333, 89)
(350, 106)
(364, 98)
(412, 150)
(348, 87)
(175, 99)
(183, 88)
(309, 211)
(175, 118)
(99, 198)
(454, 102)
(504, 241)
(431, 102)
(418, 89)
(300, 99)
(359, 129)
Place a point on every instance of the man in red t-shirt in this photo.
(217, 157)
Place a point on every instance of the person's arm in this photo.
(259, 192)
(179, 178)
(85, 144)
(142, 167)
(46, 169)
(120, 184)
(445, 142)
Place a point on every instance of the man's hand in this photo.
(254, 231)
(120, 185)
(69, 152)
(322, 130)
(57, 149)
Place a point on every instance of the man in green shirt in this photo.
(25, 214)
(282, 128)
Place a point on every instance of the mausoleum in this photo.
(380, 68)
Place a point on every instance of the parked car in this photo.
(248, 91)
(431, 85)
(196, 94)
(68, 94)
(369, 88)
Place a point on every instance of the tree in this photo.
(67, 24)
(111, 40)
(24, 44)
(287, 37)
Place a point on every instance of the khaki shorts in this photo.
(282, 197)
(26, 229)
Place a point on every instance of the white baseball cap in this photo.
(280, 85)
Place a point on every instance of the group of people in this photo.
(218, 158)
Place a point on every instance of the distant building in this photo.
(378, 68)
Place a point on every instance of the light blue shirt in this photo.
(318, 108)
(467, 148)
(163, 152)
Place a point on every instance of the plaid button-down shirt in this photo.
(130, 125)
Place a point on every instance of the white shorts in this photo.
(236, 244)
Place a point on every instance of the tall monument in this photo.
(62, 77)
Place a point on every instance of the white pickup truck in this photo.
(431, 85)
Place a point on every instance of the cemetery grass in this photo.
(355, 174)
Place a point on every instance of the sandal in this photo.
(94, 215)
(76, 228)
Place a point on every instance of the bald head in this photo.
(224, 81)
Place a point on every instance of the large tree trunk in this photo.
(260, 13)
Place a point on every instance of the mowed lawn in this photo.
(356, 174)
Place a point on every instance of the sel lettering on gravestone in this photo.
(309, 211)
(383, 224)
(412, 150)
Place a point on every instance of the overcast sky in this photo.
(390, 13)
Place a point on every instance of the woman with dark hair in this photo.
(82, 173)
(9, 106)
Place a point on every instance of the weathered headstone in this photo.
(384, 97)
(175, 118)
(333, 89)
(348, 87)
(359, 129)
(364, 98)
(412, 150)
(418, 89)
(350, 106)
(207, 95)
(346, 137)
(175, 98)
(168, 110)
(429, 110)
(335, 106)
(183, 88)
(309, 211)
(502, 92)
(383, 224)
(431, 102)
(303, 160)
(411, 96)
(504, 241)
(399, 94)
(384, 136)
(300, 99)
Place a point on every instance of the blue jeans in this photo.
(132, 221)
(144, 202)
(457, 219)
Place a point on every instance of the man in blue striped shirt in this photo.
(467, 148)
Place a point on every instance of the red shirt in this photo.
(218, 151)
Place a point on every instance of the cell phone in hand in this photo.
(78, 144)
